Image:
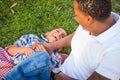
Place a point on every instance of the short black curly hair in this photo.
(98, 9)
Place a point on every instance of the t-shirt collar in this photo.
(113, 30)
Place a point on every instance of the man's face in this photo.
(55, 34)
(80, 17)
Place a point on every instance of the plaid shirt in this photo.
(6, 62)
(28, 41)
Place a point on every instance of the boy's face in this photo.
(55, 34)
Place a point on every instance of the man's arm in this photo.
(94, 76)
(64, 42)
(62, 76)
(97, 76)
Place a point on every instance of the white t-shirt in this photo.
(94, 53)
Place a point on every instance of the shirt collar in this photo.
(113, 30)
(42, 38)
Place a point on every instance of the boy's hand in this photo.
(38, 46)
(48, 47)
(26, 51)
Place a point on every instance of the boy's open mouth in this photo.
(55, 36)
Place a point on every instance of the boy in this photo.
(26, 46)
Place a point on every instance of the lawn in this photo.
(36, 17)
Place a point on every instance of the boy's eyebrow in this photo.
(63, 35)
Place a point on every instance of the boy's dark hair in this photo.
(98, 9)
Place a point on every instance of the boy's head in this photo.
(56, 34)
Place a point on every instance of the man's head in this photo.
(91, 14)
(56, 34)
(97, 9)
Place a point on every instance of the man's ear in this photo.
(90, 20)
(47, 33)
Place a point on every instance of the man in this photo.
(95, 46)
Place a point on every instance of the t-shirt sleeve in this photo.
(110, 65)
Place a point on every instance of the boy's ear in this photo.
(47, 33)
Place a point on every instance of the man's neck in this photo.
(103, 26)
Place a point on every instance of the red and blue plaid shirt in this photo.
(6, 62)
(28, 41)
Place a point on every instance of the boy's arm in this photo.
(13, 49)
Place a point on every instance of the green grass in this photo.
(37, 17)
(34, 16)
(116, 6)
